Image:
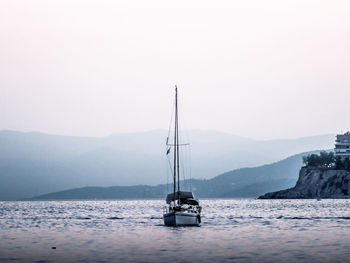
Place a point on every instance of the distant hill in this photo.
(245, 182)
(36, 163)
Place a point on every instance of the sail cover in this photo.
(183, 196)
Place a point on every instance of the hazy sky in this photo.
(262, 69)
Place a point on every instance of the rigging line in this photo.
(187, 138)
(179, 127)
(187, 167)
(167, 178)
(190, 168)
(171, 119)
(169, 167)
(169, 130)
(178, 150)
(169, 172)
(184, 130)
(183, 167)
(184, 162)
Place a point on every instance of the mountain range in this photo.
(32, 164)
(240, 183)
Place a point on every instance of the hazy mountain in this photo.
(35, 163)
(245, 182)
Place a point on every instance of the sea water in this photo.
(236, 230)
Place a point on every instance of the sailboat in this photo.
(182, 208)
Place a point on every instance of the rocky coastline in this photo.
(316, 183)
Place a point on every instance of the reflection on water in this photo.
(132, 231)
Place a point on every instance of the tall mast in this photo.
(177, 150)
(175, 143)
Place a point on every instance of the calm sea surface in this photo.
(133, 231)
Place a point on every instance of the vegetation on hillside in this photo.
(326, 160)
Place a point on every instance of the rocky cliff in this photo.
(316, 183)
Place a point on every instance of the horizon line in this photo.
(164, 130)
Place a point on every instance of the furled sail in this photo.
(183, 195)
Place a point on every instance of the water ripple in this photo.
(238, 230)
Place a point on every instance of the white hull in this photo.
(180, 218)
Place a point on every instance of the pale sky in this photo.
(260, 69)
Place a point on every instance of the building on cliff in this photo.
(342, 146)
